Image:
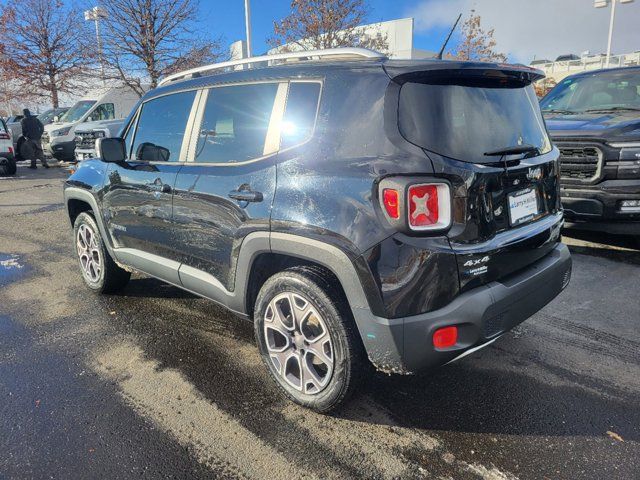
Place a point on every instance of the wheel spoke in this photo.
(312, 328)
(84, 260)
(321, 354)
(299, 308)
(84, 230)
(312, 381)
(281, 358)
(283, 315)
(293, 371)
(277, 339)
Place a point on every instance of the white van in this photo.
(106, 103)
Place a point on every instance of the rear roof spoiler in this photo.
(402, 70)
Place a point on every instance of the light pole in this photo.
(95, 14)
(603, 4)
(247, 25)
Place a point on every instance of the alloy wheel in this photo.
(89, 253)
(298, 343)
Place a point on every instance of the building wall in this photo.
(398, 33)
(559, 70)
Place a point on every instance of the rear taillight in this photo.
(391, 202)
(4, 136)
(429, 206)
(410, 206)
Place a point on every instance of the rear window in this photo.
(465, 121)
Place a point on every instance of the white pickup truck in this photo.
(88, 133)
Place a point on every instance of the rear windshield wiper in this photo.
(514, 150)
(612, 109)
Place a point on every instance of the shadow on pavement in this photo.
(152, 288)
(621, 248)
(464, 398)
(458, 398)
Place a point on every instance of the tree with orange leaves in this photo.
(475, 44)
(321, 24)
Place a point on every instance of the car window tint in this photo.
(161, 127)
(235, 123)
(300, 114)
(129, 136)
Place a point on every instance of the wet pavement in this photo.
(155, 382)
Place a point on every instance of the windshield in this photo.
(47, 117)
(466, 121)
(76, 112)
(617, 90)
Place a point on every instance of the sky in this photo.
(524, 29)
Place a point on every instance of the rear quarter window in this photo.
(300, 114)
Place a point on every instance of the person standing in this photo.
(32, 130)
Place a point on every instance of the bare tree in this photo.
(476, 44)
(320, 24)
(10, 90)
(43, 47)
(148, 39)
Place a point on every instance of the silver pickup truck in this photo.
(87, 134)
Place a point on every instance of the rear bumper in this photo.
(405, 345)
(597, 207)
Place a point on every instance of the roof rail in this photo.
(340, 53)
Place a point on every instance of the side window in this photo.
(235, 123)
(161, 126)
(300, 114)
(128, 138)
(106, 111)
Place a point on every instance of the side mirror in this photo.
(148, 152)
(111, 149)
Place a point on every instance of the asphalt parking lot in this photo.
(155, 382)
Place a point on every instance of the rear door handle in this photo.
(246, 195)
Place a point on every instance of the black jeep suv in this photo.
(404, 211)
(594, 119)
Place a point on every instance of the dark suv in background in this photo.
(351, 206)
(594, 119)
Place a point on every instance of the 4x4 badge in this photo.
(476, 261)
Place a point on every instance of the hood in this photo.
(57, 126)
(99, 124)
(622, 126)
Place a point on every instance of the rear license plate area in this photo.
(523, 206)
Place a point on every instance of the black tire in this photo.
(347, 351)
(111, 278)
(7, 167)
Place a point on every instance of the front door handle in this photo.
(246, 195)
